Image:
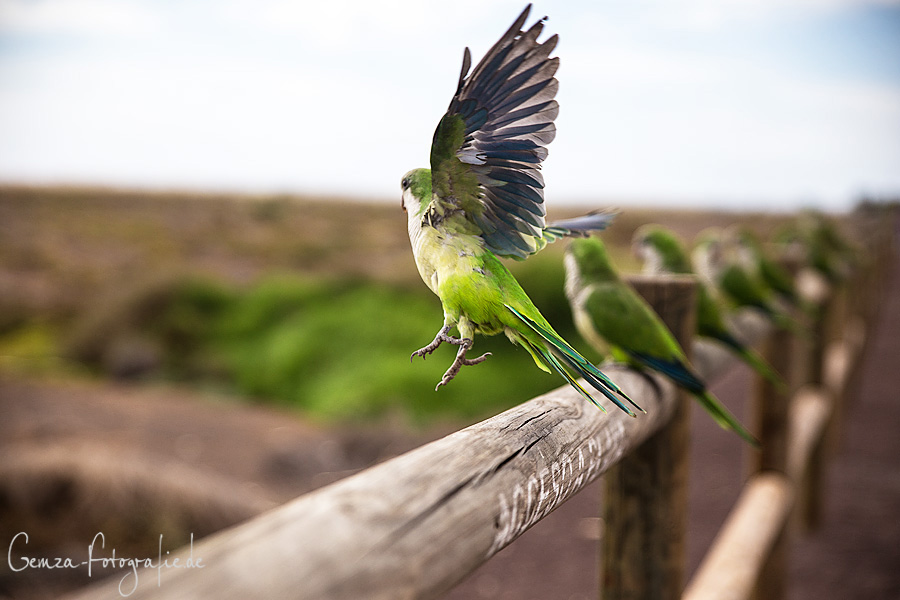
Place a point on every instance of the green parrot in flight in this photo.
(483, 199)
(662, 252)
(612, 316)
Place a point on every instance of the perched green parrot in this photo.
(824, 248)
(611, 315)
(826, 233)
(716, 263)
(483, 199)
(662, 252)
(753, 257)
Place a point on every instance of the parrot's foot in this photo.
(460, 361)
(442, 336)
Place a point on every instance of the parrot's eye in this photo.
(405, 183)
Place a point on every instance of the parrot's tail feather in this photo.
(782, 320)
(763, 308)
(754, 360)
(808, 308)
(560, 350)
(564, 348)
(597, 383)
(675, 370)
(579, 226)
(789, 323)
(537, 355)
(562, 371)
(724, 418)
(791, 297)
(681, 374)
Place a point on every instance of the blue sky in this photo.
(725, 103)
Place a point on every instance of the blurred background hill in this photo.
(309, 303)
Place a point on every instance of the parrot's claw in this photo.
(460, 361)
(442, 336)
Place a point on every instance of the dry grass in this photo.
(143, 285)
(62, 247)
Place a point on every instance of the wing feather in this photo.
(488, 148)
(544, 112)
(521, 212)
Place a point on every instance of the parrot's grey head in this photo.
(793, 246)
(747, 247)
(747, 237)
(646, 247)
(416, 191)
(709, 253)
(660, 250)
(587, 262)
(643, 249)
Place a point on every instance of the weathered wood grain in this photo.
(771, 404)
(645, 497)
(772, 426)
(415, 525)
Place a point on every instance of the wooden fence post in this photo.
(772, 423)
(837, 318)
(818, 342)
(810, 503)
(645, 502)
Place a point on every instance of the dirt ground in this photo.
(75, 457)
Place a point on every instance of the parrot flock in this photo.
(482, 200)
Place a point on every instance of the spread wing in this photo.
(487, 150)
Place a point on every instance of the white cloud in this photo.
(82, 17)
(343, 97)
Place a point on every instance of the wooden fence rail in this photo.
(416, 525)
(749, 555)
(732, 568)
